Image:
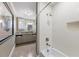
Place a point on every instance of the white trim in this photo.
(12, 51)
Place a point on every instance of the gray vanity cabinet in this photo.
(24, 38)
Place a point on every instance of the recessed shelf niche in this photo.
(73, 26)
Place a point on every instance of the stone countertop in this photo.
(25, 33)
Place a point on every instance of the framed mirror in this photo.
(6, 21)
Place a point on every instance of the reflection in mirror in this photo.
(5, 22)
(26, 25)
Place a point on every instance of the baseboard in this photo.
(10, 55)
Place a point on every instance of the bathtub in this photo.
(51, 52)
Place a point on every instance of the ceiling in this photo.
(25, 9)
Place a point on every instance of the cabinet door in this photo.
(28, 38)
(18, 39)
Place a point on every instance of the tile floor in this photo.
(25, 50)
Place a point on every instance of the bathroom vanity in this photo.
(24, 37)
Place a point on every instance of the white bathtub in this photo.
(52, 53)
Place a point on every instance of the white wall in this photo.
(44, 25)
(25, 9)
(66, 40)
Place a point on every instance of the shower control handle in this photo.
(48, 44)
